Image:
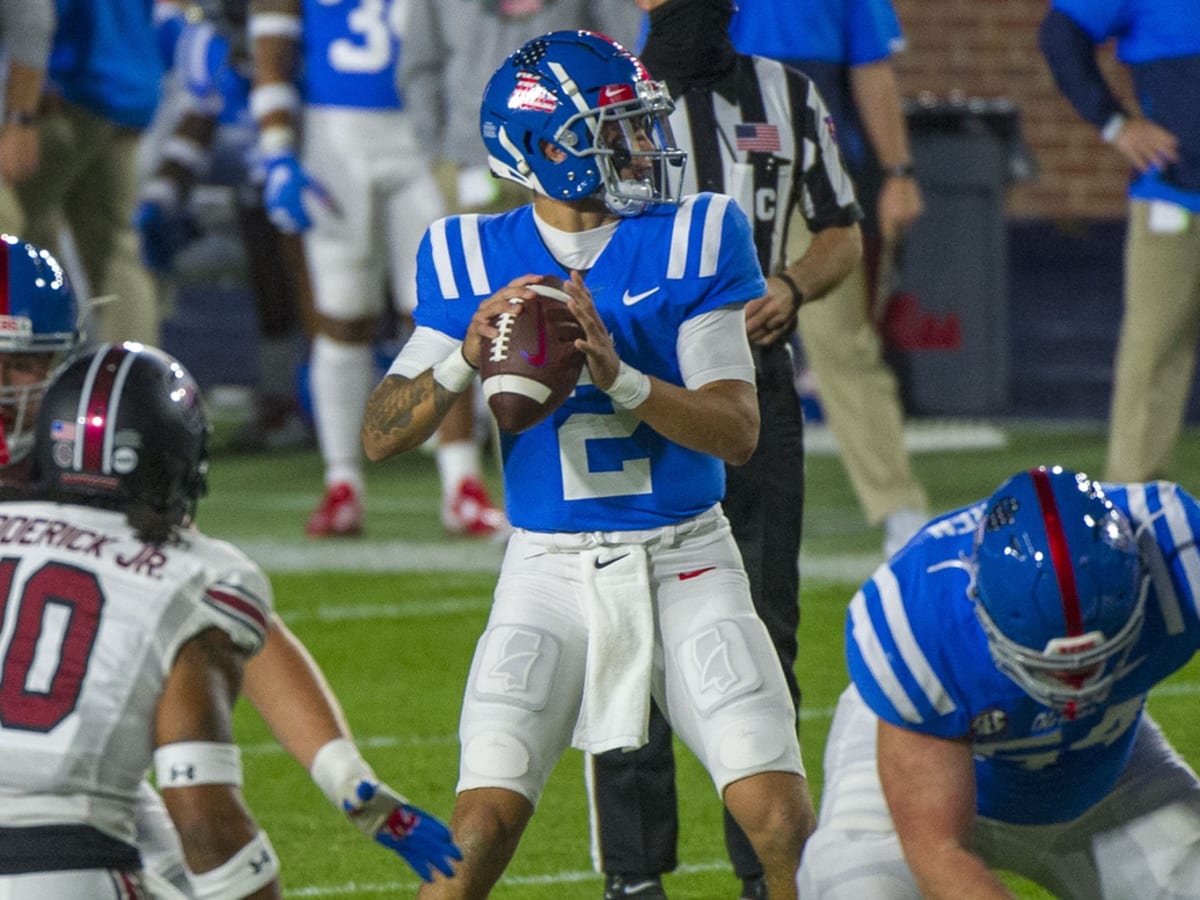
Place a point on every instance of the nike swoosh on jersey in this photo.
(538, 359)
(695, 573)
(605, 563)
(629, 299)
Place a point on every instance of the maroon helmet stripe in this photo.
(1060, 553)
(97, 412)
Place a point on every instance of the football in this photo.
(532, 366)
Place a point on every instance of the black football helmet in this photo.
(123, 426)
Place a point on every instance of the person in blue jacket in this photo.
(1159, 42)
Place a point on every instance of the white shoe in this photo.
(899, 527)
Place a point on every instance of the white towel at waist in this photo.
(620, 651)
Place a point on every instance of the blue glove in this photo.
(422, 840)
(286, 187)
(201, 59)
(163, 231)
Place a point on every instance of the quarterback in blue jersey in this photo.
(621, 579)
(996, 720)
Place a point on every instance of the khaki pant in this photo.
(87, 182)
(859, 394)
(1156, 352)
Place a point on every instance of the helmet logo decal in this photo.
(530, 94)
(1060, 553)
(616, 93)
(1002, 513)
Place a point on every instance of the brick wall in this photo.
(988, 48)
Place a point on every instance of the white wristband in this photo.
(454, 373)
(630, 388)
(276, 140)
(337, 768)
(276, 96)
(191, 763)
(1113, 127)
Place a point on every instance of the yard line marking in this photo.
(1162, 692)
(414, 609)
(391, 887)
(452, 556)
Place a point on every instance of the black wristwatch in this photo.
(22, 117)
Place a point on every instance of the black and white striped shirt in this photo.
(762, 134)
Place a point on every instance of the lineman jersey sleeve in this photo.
(896, 628)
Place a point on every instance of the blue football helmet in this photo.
(1059, 587)
(590, 99)
(38, 329)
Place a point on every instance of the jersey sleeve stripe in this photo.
(906, 643)
(224, 599)
(876, 659)
(710, 246)
(440, 249)
(680, 230)
(1183, 541)
(473, 251)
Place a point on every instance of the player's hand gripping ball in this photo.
(532, 366)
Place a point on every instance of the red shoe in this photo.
(470, 512)
(339, 515)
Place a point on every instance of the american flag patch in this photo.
(62, 431)
(757, 136)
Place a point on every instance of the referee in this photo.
(760, 132)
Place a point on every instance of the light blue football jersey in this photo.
(590, 466)
(919, 657)
(350, 51)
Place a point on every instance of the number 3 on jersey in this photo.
(374, 26)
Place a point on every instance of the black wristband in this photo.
(797, 294)
(900, 170)
(20, 117)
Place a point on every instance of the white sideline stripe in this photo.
(408, 556)
(391, 887)
(927, 436)
(387, 741)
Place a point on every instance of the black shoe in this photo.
(644, 887)
(754, 888)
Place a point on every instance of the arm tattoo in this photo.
(396, 401)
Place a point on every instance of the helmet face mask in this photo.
(38, 329)
(573, 114)
(1059, 587)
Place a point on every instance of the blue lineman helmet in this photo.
(38, 329)
(1059, 586)
(589, 98)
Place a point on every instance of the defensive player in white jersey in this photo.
(344, 168)
(125, 636)
(622, 579)
(38, 328)
(996, 720)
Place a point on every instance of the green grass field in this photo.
(393, 618)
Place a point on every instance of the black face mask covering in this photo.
(688, 44)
